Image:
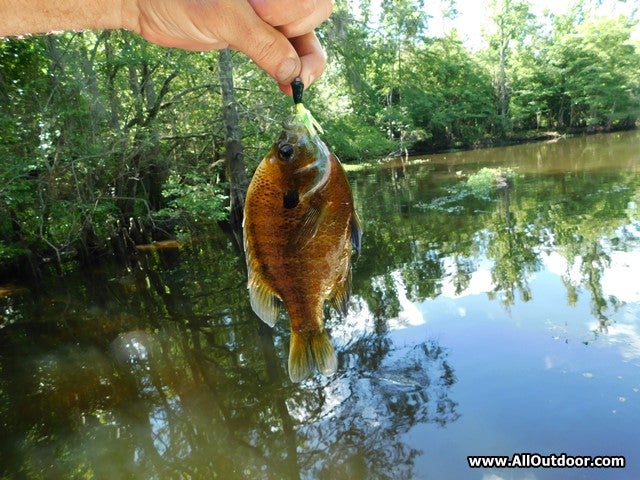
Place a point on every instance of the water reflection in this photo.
(159, 369)
(581, 214)
(156, 375)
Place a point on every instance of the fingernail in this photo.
(288, 68)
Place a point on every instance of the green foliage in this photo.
(94, 132)
(451, 99)
(9, 252)
(353, 140)
(99, 128)
(488, 180)
(194, 196)
(581, 75)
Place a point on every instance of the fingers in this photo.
(281, 57)
(265, 45)
(283, 12)
(308, 23)
(276, 34)
(312, 57)
(293, 17)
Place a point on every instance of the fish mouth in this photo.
(293, 125)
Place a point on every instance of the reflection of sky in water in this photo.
(540, 376)
(514, 328)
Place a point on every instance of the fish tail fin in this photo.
(324, 353)
(307, 351)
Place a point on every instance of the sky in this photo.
(473, 14)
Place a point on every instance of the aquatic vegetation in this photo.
(474, 193)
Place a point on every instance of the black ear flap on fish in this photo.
(290, 199)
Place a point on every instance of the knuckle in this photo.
(307, 7)
(264, 48)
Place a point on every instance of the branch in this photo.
(153, 111)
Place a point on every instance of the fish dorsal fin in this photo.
(356, 233)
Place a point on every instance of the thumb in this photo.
(270, 50)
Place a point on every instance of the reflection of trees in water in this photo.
(512, 247)
(163, 376)
(587, 227)
(448, 226)
(165, 373)
(593, 259)
(383, 391)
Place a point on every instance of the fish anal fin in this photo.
(341, 294)
(311, 350)
(264, 303)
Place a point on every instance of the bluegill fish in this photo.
(300, 227)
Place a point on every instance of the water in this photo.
(495, 310)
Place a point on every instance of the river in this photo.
(495, 311)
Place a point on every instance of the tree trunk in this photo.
(234, 156)
(502, 82)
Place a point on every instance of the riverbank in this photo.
(517, 138)
(135, 237)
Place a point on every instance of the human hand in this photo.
(278, 35)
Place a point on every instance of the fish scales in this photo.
(298, 228)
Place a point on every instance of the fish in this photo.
(300, 228)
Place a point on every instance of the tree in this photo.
(512, 23)
(581, 74)
(234, 157)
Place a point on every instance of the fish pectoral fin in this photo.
(341, 294)
(264, 302)
(309, 226)
(305, 352)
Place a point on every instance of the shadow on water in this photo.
(159, 369)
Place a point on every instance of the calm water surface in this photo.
(495, 310)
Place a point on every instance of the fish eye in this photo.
(285, 152)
